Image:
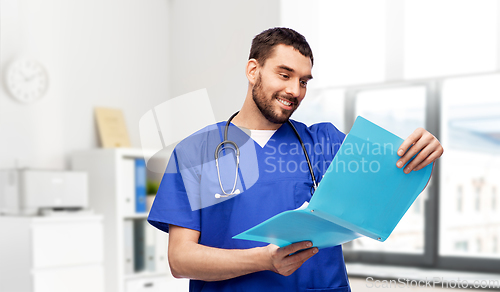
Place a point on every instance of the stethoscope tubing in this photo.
(237, 150)
(315, 185)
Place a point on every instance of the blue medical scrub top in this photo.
(273, 179)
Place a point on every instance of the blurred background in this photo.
(402, 64)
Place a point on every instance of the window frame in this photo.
(430, 258)
(395, 76)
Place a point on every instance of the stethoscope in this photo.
(234, 147)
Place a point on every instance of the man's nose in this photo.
(293, 88)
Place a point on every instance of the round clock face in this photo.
(26, 80)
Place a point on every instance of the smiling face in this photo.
(281, 83)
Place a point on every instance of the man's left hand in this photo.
(420, 141)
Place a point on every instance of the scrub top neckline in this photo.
(261, 136)
(250, 137)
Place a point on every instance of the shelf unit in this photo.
(108, 196)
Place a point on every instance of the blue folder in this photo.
(363, 193)
(140, 186)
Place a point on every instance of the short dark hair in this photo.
(263, 44)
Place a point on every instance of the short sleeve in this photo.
(328, 137)
(336, 137)
(171, 205)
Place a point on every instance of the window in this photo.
(457, 36)
(400, 110)
(409, 63)
(479, 245)
(348, 42)
(460, 198)
(417, 206)
(461, 246)
(360, 41)
(493, 198)
(470, 135)
(322, 106)
(477, 195)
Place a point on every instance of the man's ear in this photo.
(252, 71)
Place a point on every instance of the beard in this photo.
(267, 107)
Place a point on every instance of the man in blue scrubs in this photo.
(274, 177)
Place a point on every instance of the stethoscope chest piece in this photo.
(234, 147)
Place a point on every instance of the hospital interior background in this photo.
(402, 64)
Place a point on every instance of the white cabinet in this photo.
(111, 193)
(147, 285)
(65, 244)
(73, 278)
(51, 254)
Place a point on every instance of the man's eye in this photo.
(303, 83)
(284, 76)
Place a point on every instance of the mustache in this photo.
(286, 97)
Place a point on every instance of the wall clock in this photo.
(27, 80)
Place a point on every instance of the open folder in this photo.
(362, 193)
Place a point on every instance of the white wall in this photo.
(129, 54)
(210, 43)
(98, 53)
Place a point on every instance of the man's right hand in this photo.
(189, 259)
(288, 259)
